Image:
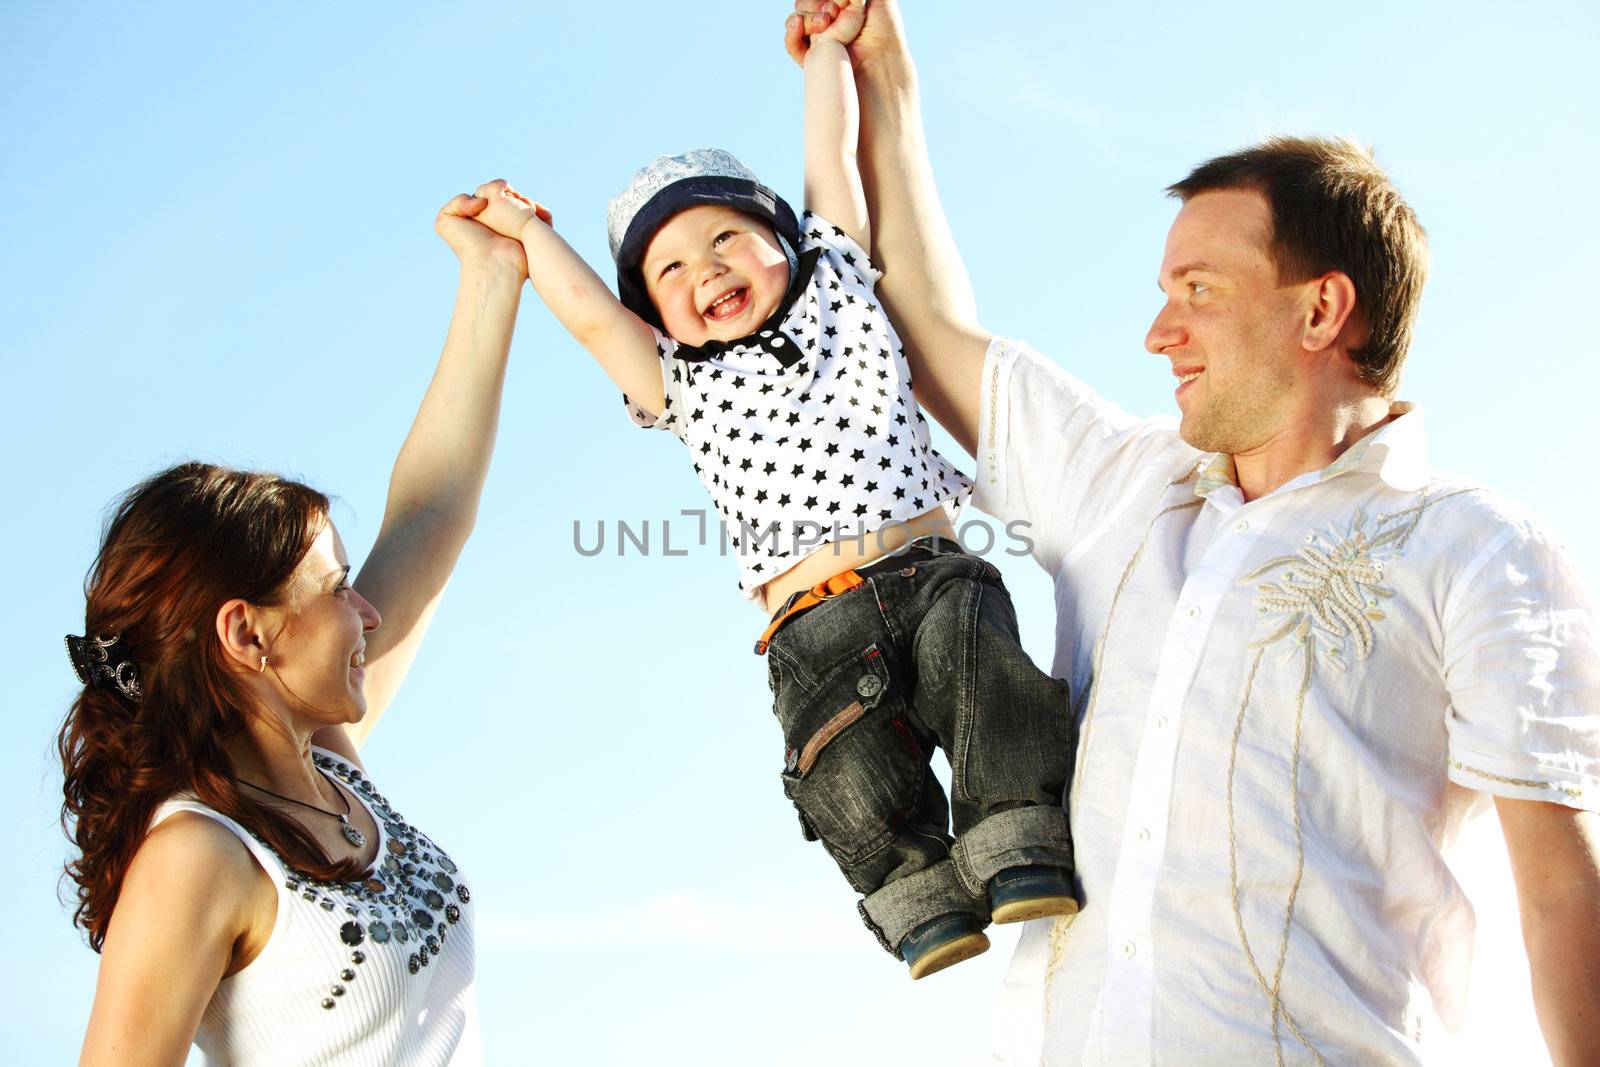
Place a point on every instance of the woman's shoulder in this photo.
(192, 844)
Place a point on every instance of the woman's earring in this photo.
(263, 668)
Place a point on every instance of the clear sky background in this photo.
(217, 244)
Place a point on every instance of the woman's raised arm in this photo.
(439, 475)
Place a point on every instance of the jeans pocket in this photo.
(852, 766)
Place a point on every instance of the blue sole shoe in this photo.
(938, 943)
(1019, 893)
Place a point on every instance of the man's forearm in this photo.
(925, 285)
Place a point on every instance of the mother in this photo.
(248, 888)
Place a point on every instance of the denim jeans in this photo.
(866, 684)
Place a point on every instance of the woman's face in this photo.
(318, 655)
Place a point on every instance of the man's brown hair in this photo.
(1333, 208)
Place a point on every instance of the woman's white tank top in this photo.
(377, 971)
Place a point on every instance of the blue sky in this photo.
(218, 244)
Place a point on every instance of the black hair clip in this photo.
(105, 661)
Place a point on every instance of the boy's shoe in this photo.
(1019, 893)
(943, 941)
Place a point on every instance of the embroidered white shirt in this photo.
(1287, 708)
(829, 447)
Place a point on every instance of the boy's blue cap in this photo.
(669, 184)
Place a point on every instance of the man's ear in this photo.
(1331, 311)
(239, 631)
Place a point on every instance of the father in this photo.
(1300, 656)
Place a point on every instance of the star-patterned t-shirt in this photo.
(807, 433)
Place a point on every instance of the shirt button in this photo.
(1128, 949)
(1144, 835)
(1161, 722)
(1194, 612)
(1241, 526)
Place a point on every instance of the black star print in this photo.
(805, 443)
(783, 500)
(811, 502)
(726, 405)
(858, 455)
(770, 468)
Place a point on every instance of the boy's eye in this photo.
(723, 236)
(669, 268)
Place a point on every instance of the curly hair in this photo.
(176, 548)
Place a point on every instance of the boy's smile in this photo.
(714, 273)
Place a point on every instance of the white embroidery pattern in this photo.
(1327, 595)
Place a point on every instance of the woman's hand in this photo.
(509, 212)
(475, 244)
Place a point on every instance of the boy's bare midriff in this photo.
(836, 557)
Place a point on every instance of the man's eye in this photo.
(1199, 288)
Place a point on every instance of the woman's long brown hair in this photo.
(177, 547)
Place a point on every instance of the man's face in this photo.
(1231, 331)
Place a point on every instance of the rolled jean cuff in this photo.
(906, 903)
(1035, 835)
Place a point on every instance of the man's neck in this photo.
(1308, 444)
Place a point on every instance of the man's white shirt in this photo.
(1287, 707)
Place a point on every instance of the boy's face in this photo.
(714, 274)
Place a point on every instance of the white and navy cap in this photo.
(669, 184)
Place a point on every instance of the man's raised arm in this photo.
(925, 285)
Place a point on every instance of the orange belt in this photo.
(839, 583)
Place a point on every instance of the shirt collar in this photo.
(1396, 452)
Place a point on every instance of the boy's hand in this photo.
(509, 212)
(872, 35)
(849, 15)
(475, 244)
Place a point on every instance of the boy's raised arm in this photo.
(924, 284)
(833, 123)
(619, 340)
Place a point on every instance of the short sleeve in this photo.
(1523, 672)
(848, 259)
(1054, 454)
(672, 373)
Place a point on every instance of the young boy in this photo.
(756, 338)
